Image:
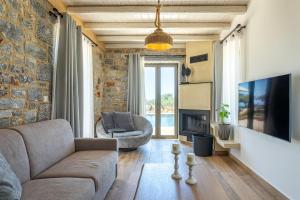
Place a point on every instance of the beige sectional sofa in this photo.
(52, 165)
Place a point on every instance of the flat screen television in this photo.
(264, 105)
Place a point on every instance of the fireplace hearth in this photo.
(193, 122)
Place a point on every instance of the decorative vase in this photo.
(224, 131)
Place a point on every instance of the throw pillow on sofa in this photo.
(107, 121)
(123, 120)
(10, 186)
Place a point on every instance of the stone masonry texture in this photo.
(114, 77)
(98, 58)
(26, 66)
(25, 61)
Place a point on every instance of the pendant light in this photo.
(158, 40)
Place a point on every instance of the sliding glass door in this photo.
(150, 95)
(161, 99)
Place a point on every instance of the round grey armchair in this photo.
(129, 140)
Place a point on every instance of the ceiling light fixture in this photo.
(158, 40)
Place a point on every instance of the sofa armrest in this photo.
(87, 144)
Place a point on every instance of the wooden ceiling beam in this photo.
(151, 9)
(134, 25)
(141, 38)
(58, 4)
(137, 45)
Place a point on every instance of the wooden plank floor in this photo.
(235, 180)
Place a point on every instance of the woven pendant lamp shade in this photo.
(158, 40)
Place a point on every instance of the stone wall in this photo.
(25, 61)
(115, 72)
(98, 58)
(26, 65)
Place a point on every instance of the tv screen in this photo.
(264, 105)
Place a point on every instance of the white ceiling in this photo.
(189, 20)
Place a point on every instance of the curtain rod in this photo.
(90, 39)
(238, 27)
(55, 12)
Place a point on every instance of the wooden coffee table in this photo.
(155, 183)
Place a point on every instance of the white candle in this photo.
(190, 157)
(175, 148)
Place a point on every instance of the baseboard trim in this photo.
(221, 153)
(254, 172)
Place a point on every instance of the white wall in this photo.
(272, 48)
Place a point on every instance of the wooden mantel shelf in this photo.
(227, 144)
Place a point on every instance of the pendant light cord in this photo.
(157, 18)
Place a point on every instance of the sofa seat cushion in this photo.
(128, 134)
(97, 165)
(58, 189)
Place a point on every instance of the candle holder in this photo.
(191, 180)
(176, 174)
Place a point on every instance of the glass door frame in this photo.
(158, 65)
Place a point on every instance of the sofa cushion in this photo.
(98, 165)
(123, 120)
(13, 149)
(128, 134)
(107, 120)
(58, 189)
(10, 186)
(47, 142)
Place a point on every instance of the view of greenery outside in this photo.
(167, 104)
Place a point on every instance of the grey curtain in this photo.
(68, 89)
(134, 84)
(218, 77)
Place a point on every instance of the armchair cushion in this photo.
(128, 134)
(124, 120)
(87, 144)
(107, 120)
